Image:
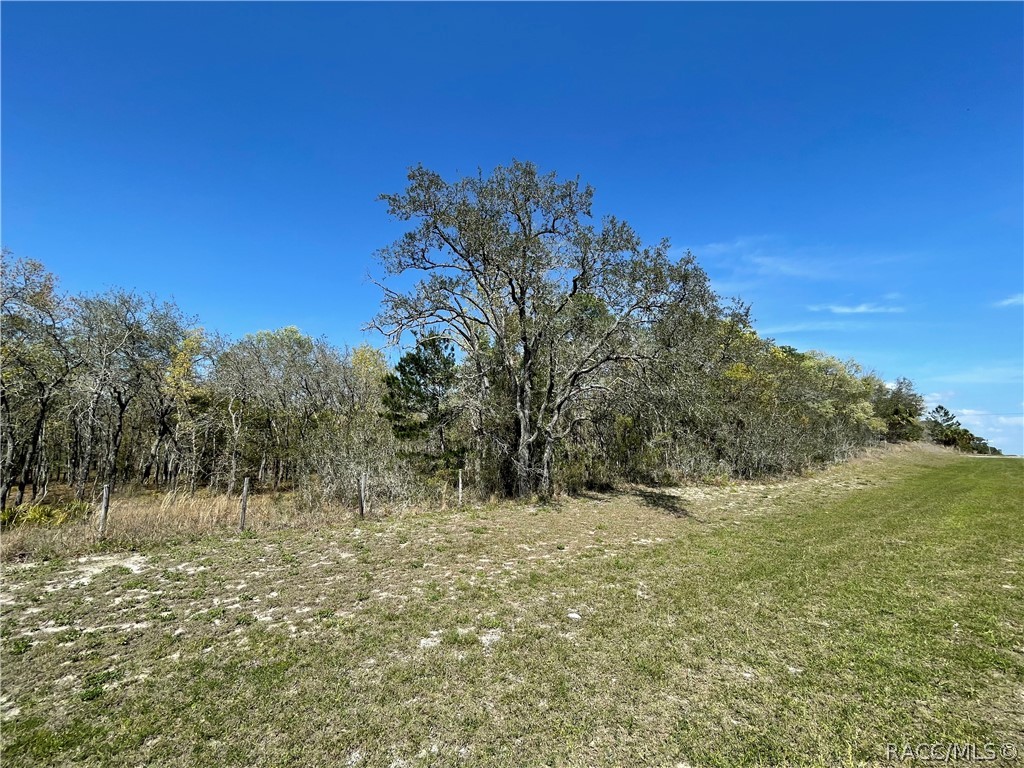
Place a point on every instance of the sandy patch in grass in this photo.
(88, 567)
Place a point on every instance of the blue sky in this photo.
(854, 171)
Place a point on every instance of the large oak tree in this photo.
(512, 265)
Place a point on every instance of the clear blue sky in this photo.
(855, 171)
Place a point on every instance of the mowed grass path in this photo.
(804, 623)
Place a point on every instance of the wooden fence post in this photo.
(460, 487)
(104, 508)
(362, 495)
(245, 504)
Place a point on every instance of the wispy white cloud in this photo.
(738, 245)
(823, 325)
(768, 256)
(1013, 301)
(730, 288)
(857, 309)
(997, 428)
(982, 374)
(931, 399)
(790, 266)
(972, 417)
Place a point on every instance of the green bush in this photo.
(45, 515)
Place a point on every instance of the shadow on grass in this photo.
(603, 495)
(666, 502)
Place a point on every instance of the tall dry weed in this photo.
(143, 521)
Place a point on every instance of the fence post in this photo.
(104, 508)
(362, 495)
(245, 504)
(460, 487)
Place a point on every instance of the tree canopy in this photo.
(552, 352)
(514, 272)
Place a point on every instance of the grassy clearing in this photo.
(808, 622)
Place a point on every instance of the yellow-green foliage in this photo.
(45, 515)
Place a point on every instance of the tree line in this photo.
(548, 353)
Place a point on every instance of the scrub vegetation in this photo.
(547, 353)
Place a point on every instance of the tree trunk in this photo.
(33, 448)
(115, 441)
(233, 472)
(546, 487)
(83, 469)
(524, 454)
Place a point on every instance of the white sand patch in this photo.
(382, 595)
(51, 629)
(134, 563)
(88, 567)
(423, 752)
(432, 641)
(8, 710)
(190, 568)
(490, 637)
(123, 627)
(137, 595)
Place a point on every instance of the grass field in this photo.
(811, 622)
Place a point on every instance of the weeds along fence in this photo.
(143, 520)
(138, 519)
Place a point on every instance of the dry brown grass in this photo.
(142, 521)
